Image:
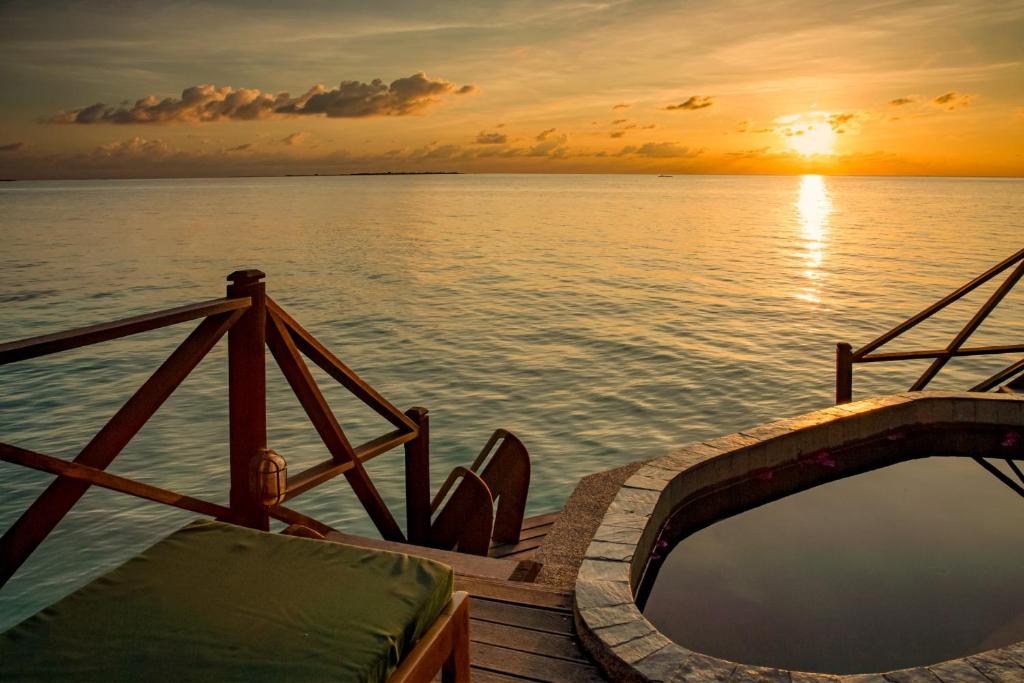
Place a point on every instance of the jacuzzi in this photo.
(699, 485)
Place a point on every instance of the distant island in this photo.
(300, 175)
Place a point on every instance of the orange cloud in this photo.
(208, 103)
(692, 103)
(484, 138)
(661, 150)
(953, 100)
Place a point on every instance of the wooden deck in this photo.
(519, 631)
(535, 530)
(523, 632)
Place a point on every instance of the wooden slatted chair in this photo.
(487, 501)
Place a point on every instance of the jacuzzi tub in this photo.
(705, 482)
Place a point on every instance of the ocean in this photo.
(603, 318)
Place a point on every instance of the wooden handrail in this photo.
(846, 358)
(935, 353)
(46, 344)
(97, 477)
(968, 329)
(252, 323)
(60, 496)
(950, 298)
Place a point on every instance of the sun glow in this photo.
(808, 135)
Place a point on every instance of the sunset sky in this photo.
(143, 89)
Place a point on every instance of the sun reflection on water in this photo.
(813, 207)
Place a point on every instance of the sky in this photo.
(156, 89)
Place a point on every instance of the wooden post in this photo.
(417, 479)
(844, 373)
(247, 397)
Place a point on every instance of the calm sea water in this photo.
(910, 564)
(604, 319)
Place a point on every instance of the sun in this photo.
(811, 139)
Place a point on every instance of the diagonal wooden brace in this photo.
(283, 348)
(60, 496)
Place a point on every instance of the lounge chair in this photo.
(217, 602)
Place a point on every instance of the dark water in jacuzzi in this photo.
(911, 564)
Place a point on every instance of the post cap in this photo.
(246, 276)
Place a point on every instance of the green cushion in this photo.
(216, 602)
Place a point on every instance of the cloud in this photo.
(622, 105)
(743, 126)
(295, 139)
(543, 135)
(135, 147)
(209, 103)
(12, 147)
(247, 147)
(550, 145)
(484, 138)
(900, 101)
(617, 133)
(841, 122)
(692, 103)
(952, 100)
(661, 150)
(618, 121)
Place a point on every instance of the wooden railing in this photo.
(252, 322)
(846, 357)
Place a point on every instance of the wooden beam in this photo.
(247, 397)
(97, 477)
(306, 390)
(329, 469)
(444, 647)
(417, 478)
(844, 373)
(950, 298)
(936, 353)
(967, 330)
(61, 495)
(341, 373)
(289, 516)
(35, 347)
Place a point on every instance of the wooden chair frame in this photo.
(846, 357)
(444, 647)
(252, 322)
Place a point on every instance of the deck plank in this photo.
(536, 618)
(515, 592)
(541, 520)
(531, 666)
(527, 640)
(523, 550)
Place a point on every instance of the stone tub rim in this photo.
(629, 648)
